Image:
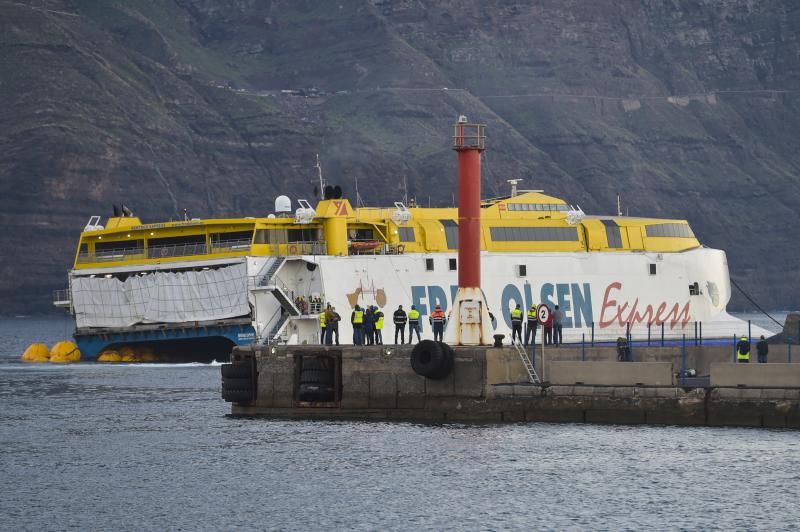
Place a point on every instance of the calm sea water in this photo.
(146, 447)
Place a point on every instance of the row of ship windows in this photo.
(536, 207)
(406, 234)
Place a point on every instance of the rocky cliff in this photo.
(688, 109)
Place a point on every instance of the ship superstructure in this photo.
(207, 284)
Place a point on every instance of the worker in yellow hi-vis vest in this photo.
(413, 324)
(743, 351)
(322, 327)
(378, 325)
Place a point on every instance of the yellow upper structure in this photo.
(528, 222)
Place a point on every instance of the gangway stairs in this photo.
(273, 269)
(276, 330)
(532, 375)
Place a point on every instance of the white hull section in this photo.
(604, 293)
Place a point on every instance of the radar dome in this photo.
(283, 204)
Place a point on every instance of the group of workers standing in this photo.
(367, 325)
(552, 329)
(368, 321)
(743, 350)
(437, 320)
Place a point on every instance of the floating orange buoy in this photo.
(128, 354)
(109, 355)
(65, 352)
(146, 354)
(37, 352)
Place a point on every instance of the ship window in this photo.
(270, 236)
(429, 264)
(450, 233)
(670, 230)
(537, 207)
(176, 246)
(612, 234)
(366, 233)
(694, 289)
(522, 270)
(120, 245)
(652, 269)
(534, 234)
(406, 234)
(232, 240)
(310, 234)
(453, 264)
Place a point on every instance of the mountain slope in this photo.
(688, 109)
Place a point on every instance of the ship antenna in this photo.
(619, 206)
(318, 166)
(405, 190)
(359, 203)
(514, 183)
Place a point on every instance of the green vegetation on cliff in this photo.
(688, 109)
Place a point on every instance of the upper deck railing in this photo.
(161, 252)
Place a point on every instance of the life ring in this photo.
(292, 250)
(401, 248)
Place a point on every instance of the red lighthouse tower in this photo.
(469, 321)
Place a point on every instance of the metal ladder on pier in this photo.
(532, 375)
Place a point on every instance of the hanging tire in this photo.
(237, 384)
(427, 359)
(239, 371)
(315, 393)
(449, 360)
(237, 396)
(316, 376)
(313, 363)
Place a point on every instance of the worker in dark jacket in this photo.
(763, 349)
(743, 351)
(369, 325)
(399, 318)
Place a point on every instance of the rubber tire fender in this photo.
(239, 371)
(315, 392)
(316, 376)
(449, 360)
(427, 358)
(237, 396)
(229, 383)
(314, 363)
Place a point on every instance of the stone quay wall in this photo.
(491, 385)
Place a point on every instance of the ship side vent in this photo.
(283, 205)
(93, 224)
(305, 213)
(575, 215)
(401, 215)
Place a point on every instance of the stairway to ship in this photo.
(276, 330)
(273, 269)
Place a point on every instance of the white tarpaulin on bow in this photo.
(161, 297)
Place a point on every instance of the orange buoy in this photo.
(37, 352)
(109, 355)
(65, 352)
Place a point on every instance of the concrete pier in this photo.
(491, 385)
